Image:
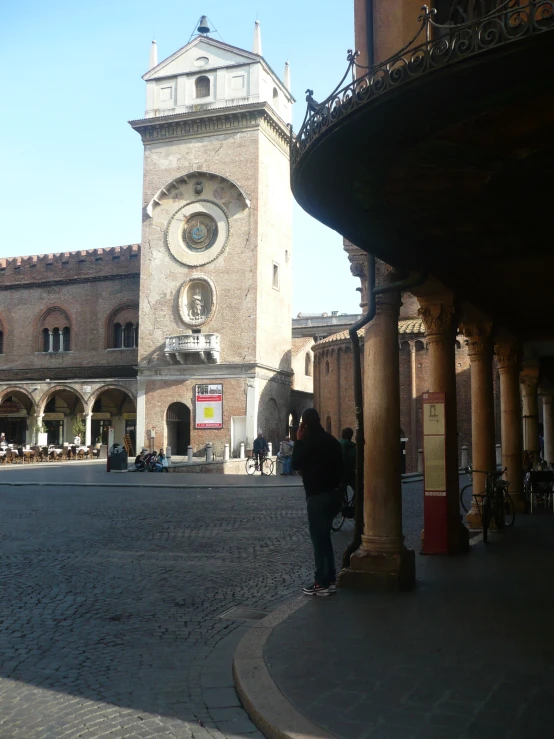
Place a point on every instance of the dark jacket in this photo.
(348, 449)
(318, 457)
(260, 445)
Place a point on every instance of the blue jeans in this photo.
(287, 462)
(322, 508)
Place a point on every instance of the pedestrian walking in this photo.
(286, 455)
(317, 456)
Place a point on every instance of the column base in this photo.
(375, 571)
(457, 541)
(520, 504)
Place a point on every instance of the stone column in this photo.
(529, 388)
(508, 359)
(483, 441)
(413, 405)
(440, 320)
(88, 429)
(548, 425)
(51, 344)
(382, 561)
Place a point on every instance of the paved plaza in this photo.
(112, 597)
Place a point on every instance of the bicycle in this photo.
(346, 509)
(266, 466)
(494, 504)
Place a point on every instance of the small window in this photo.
(275, 98)
(136, 335)
(67, 339)
(202, 85)
(327, 367)
(308, 365)
(129, 336)
(275, 276)
(56, 340)
(45, 340)
(1, 342)
(117, 336)
(458, 345)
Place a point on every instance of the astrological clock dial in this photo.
(199, 231)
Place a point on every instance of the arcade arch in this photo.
(113, 406)
(17, 416)
(59, 411)
(177, 421)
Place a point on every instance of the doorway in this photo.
(178, 428)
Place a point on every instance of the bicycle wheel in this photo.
(250, 465)
(339, 518)
(466, 495)
(486, 518)
(268, 466)
(509, 510)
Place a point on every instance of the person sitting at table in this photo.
(3, 441)
(77, 440)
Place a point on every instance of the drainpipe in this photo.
(372, 292)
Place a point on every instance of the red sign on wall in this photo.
(435, 515)
(7, 409)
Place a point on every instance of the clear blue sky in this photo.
(71, 164)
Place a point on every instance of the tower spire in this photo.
(153, 56)
(287, 76)
(257, 46)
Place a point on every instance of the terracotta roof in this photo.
(408, 326)
(300, 343)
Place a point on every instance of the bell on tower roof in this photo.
(203, 26)
(153, 55)
(257, 46)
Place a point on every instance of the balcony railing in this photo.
(433, 47)
(206, 346)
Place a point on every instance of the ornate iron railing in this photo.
(442, 44)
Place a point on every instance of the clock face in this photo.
(199, 231)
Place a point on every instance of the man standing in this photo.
(286, 455)
(260, 450)
(317, 456)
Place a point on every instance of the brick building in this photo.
(187, 338)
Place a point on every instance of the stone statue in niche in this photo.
(197, 310)
(197, 301)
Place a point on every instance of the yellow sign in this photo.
(208, 412)
(435, 462)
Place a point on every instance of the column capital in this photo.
(358, 267)
(478, 335)
(508, 357)
(439, 317)
(529, 377)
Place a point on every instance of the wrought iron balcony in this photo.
(434, 47)
(205, 347)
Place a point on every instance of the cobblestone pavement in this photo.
(111, 602)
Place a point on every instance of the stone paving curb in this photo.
(262, 700)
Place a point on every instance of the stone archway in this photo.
(17, 416)
(177, 420)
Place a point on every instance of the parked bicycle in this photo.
(493, 504)
(266, 467)
(346, 509)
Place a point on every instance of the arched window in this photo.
(117, 336)
(419, 346)
(275, 98)
(129, 336)
(55, 331)
(308, 365)
(202, 85)
(328, 425)
(327, 367)
(122, 327)
(56, 340)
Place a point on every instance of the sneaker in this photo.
(333, 586)
(315, 589)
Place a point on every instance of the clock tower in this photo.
(214, 358)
